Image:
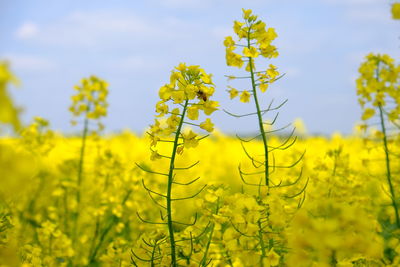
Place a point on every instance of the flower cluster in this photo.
(396, 10)
(90, 99)
(187, 94)
(379, 83)
(9, 113)
(37, 137)
(329, 233)
(257, 42)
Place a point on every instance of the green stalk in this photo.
(106, 230)
(388, 172)
(260, 236)
(204, 259)
(169, 189)
(81, 160)
(80, 175)
(259, 116)
(387, 158)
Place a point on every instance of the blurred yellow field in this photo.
(344, 202)
(186, 194)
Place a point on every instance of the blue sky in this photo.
(134, 45)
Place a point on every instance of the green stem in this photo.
(66, 211)
(169, 189)
(153, 252)
(388, 172)
(106, 230)
(81, 160)
(259, 115)
(260, 236)
(80, 176)
(204, 259)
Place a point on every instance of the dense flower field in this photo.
(344, 217)
(184, 194)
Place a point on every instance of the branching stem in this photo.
(169, 188)
(80, 176)
(259, 115)
(388, 171)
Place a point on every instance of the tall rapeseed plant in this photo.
(378, 90)
(182, 100)
(89, 103)
(254, 40)
(9, 113)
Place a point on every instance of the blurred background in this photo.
(134, 45)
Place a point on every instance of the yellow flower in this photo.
(155, 128)
(252, 52)
(173, 121)
(229, 42)
(233, 92)
(165, 92)
(263, 87)
(90, 99)
(205, 77)
(237, 27)
(245, 96)
(189, 139)
(175, 76)
(272, 258)
(193, 113)
(191, 91)
(181, 67)
(207, 125)
(233, 59)
(269, 51)
(210, 106)
(154, 139)
(252, 66)
(161, 108)
(178, 96)
(368, 113)
(155, 155)
(179, 150)
(246, 13)
(396, 11)
(272, 72)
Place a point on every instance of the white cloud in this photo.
(353, 2)
(221, 32)
(92, 29)
(116, 29)
(183, 3)
(27, 30)
(205, 4)
(370, 11)
(137, 63)
(29, 62)
(292, 71)
(372, 14)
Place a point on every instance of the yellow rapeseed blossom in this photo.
(250, 52)
(207, 125)
(271, 259)
(377, 84)
(233, 92)
(396, 10)
(257, 39)
(187, 83)
(90, 99)
(9, 113)
(368, 113)
(245, 96)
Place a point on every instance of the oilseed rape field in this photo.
(186, 194)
